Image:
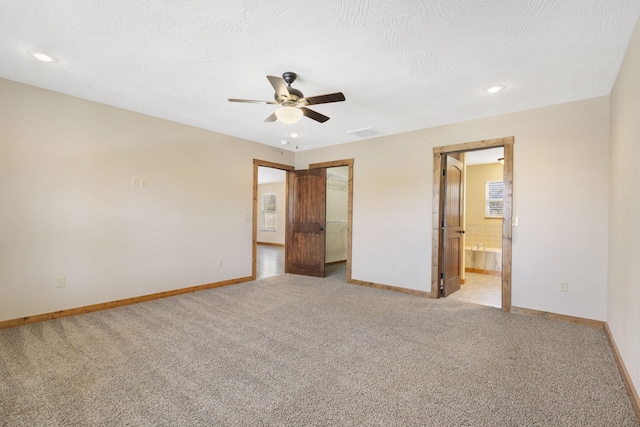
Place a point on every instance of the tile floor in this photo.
(483, 289)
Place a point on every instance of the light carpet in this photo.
(295, 351)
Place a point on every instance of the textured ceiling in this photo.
(402, 64)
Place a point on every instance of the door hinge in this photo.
(442, 275)
(444, 172)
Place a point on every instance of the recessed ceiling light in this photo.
(42, 56)
(495, 88)
(294, 135)
(284, 142)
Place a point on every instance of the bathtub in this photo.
(485, 260)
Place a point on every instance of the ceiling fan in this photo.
(292, 101)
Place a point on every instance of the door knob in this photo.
(321, 228)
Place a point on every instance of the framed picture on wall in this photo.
(268, 212)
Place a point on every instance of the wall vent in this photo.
(366, 132)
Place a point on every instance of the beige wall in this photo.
(623, 314)
(69, 210)
(479, 229)
(281, 204)
(68, 207)
(563, 147)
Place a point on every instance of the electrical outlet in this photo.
(220, 262)
(564, 286)
(144, 182)
(248, 217)
(60, 282)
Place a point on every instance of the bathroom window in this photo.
(268, 212)
(494, 199)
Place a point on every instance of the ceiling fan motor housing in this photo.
(289, 77)
(294, 94)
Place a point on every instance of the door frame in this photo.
(349, 163)
(334, 163)
(254, 209)
(436, 265)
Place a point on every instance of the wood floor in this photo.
(270, 262)
(483, 289)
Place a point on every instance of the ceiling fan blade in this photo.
(280, 86)
(314, 115)
(271, 118)
(252, 101)
(323, 99)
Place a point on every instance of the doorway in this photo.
(337, 197)
(272, 186)
(345, 233)
(342, 220)
(269, 218)
(481, 258)
(447, 256)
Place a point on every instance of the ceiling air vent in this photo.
(366, 132)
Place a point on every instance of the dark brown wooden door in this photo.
(305, 240)
(452, 265)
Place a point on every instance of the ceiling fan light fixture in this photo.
(288, 114)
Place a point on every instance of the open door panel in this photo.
(452, 266)
(305, 240)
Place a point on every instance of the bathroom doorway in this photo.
(482, 225)
(442, 245)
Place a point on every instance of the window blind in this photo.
(494, 199)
